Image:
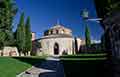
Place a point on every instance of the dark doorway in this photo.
(56, 49)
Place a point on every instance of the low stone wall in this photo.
(9, 51)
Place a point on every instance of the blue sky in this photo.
(45, 13)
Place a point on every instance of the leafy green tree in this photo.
(2, 36)
(28, 36)
(113, 5)
(7, 13)
(8, 10)
(107, 7)
(20, 35)
(87, 37)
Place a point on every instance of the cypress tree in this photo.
(20, 35)
(28, 37)
(76, 46)
(87, 37)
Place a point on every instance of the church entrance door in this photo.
(56, 49)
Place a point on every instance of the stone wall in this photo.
(9, 51)
(65, 44)
(45, 46)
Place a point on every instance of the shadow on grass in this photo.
(49, 66)
(34, 61)
(87, 68)
(52, 70)
(47, 74)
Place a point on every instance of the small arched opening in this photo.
(56, 49)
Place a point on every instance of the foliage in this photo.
(86, 54)
(28, 36)
(76, 45)
(84, 59)
(103, 42)
(7, 12)
(112, 6)
(87, 37)
(23, 36)
(20, 35)
(107, 7)
(2, 36)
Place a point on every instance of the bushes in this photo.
(85, 55)
(100, 56)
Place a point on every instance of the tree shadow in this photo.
(97, 68)
(49, 66)
(34, 61)
(48, 74)
(56, 68)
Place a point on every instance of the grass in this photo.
(104, 58)
(83, 56)
(86, 65)
(11, 66)
(88, 54)
(88, 68)
(99, 54)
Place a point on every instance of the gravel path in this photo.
(49, 68)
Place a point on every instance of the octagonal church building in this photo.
(57, 40)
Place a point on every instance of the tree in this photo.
(105, 8)
(8, 10)
(2, 36)
(28, 36)
(87, 37)
(103, 42)
(76, 46)
(20, 35)
(113, 6)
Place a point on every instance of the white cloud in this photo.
(95, 41)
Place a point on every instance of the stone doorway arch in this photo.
(56, 49)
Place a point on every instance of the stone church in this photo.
(57, 40)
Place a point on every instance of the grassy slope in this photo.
(9, 67)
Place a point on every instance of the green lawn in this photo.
(86, 65)
(100, 56)
(85, 55)
(10, 66)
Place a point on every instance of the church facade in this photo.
(57, 40)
